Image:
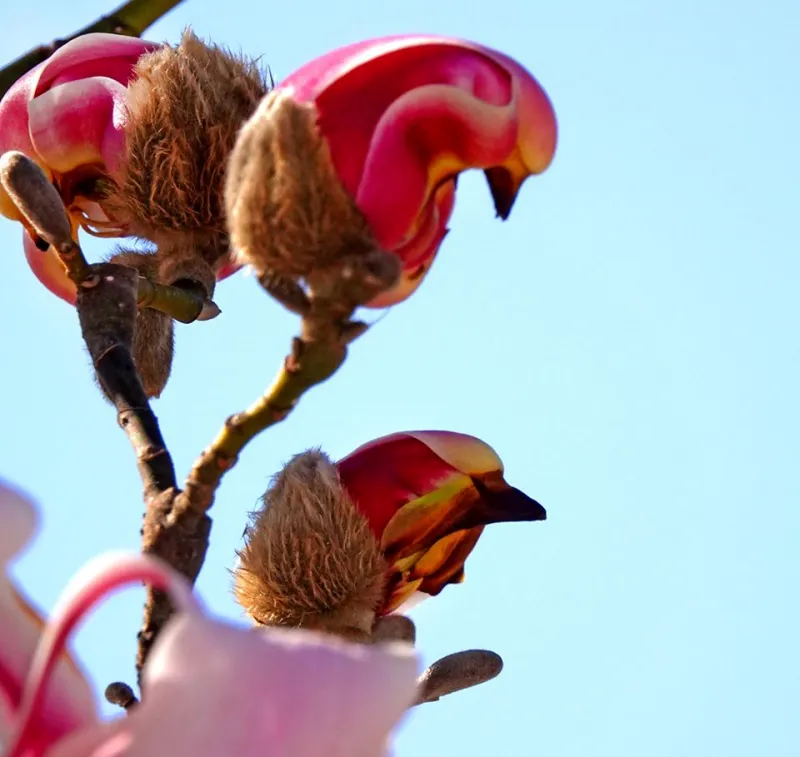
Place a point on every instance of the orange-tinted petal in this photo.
(48, 268)
(427, 496)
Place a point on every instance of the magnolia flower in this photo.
(211, 689)
(68, 114)
(386, 125)
(121, 126)
(336, 545)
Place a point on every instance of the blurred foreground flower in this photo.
(276, 692)
(135, 137)
(361, 149)
(336, 545)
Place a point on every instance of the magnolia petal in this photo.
(48, 268)
(98, 54)
(14, 133)
(80, 123)
(19, 521)
(446, 557)
(421, 109)
(382, 476)
(400, 593)
(425, 136)
(419, 253)
(419, 524)
(68, 702)
(247, 694)
(462, 503)
(465, 453)
(430, 571)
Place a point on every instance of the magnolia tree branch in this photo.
(130, 19)
(107, 305)
(176, 527)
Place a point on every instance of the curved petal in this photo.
(427, 496)
(421, 109)
(386, 474)
(80, 123)
(14, 134)
(427, 135)
(110, 56)
(106, 55)
(269, 692)
(48, 268)
(466, 453)
(68, 702)
(419, 253)
(259, 693)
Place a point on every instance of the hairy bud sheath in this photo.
(310, 559)
(185, 108)
(153, 333)
(289, 214)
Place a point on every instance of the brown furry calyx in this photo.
(185, 108)
(310, 559)
(289, 214)
(153, 334)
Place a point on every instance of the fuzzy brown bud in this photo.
(289, 214)
(153, 335)
(185, 108)
(310, 559)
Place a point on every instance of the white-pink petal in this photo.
(69, 701)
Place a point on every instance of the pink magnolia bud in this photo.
(404, 115)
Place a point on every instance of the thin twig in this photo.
(107, 313)
(130, 20)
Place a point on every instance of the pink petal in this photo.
(430, 132)
(269, 692)
(80, 123)
(256, 693)
(104, 55)
(14, 130)
(419, 253)
(48, 268)
(109, 56)
(421, 109)
(69, 702)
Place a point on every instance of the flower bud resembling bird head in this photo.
(336, 545)
(401, 117)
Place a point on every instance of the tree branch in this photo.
(177, 532)
(130, 19)
(107, 304)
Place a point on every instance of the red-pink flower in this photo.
(404, 115)
(428, 496)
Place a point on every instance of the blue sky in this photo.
(627, 341)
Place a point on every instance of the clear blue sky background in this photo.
(628, 342)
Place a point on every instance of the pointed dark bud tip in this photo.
(504, 190)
